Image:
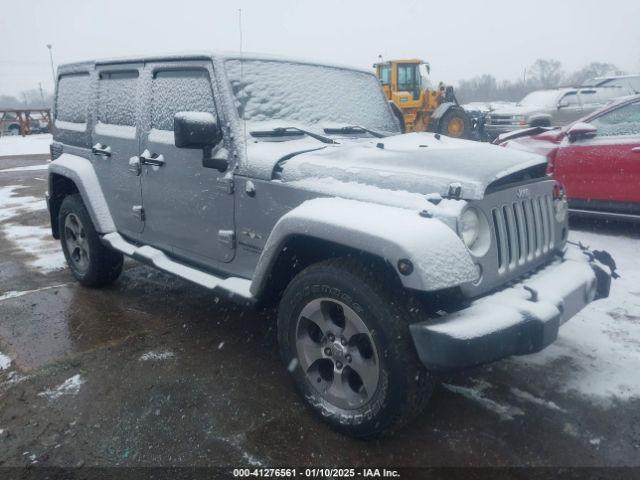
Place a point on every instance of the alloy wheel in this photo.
(336, 352)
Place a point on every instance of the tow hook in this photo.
(601, 256)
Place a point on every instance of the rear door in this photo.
(605, 168)
(590, 100)
(188, 208)
(116, 144)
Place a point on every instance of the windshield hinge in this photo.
(227, 237)
(138, 211)
(226, 185)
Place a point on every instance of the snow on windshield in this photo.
(545, 98)
(308, 94)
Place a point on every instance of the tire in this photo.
(455, 123)
(390, 386)
(91, 262)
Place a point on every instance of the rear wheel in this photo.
(90, 261)
(456, 123)
(343, 331)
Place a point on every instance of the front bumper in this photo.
(523, 318)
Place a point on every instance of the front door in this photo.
(569, 109)
(188, 208)
(116, 144)
(606, 168)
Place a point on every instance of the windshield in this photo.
(541, 98)
(310, 95)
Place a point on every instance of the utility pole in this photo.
(41, 94)
(53, 72)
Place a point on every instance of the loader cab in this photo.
(403, 81)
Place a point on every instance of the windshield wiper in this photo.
(353, 129)
(280, 131)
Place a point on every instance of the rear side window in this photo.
(117, 96)
(175, 91)
(609, 92)
(73, 98)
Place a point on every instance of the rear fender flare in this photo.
(438, 255)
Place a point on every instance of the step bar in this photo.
(152, 256)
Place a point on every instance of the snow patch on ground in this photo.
(29, 145)
(34, 240)
(527, 397)
(5, 361)
(20, 293)
(25, 169)
(152, 356)
(38, 242)
(71, 386)
(13, 378)
(597, 353)
(505, 412)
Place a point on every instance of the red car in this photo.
(597, 158)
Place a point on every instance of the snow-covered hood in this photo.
(517, 110)
(415, 162)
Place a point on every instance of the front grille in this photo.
(499, 120)
(524, 230)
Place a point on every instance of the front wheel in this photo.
(91, 262)
(455, 123)
(343, 332)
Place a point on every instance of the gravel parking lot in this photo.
(157, 371)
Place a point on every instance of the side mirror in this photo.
(562, 104)
(195, 130)
(581, 130)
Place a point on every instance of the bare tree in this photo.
(546, 73)
(594, 69)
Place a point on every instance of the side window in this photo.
(589, 97)
(72, 100)
(609, 92)
(408, 79)
(622, 121)
(173, 91)
(117, 97)
(634, 83)
(385, 74)
(570, 99)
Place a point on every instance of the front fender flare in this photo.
(81, 172)
(440, 259)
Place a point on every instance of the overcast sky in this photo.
(460, 38)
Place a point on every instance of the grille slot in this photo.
(524, 230)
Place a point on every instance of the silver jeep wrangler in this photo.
(391, 257)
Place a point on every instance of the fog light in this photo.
(405, 267)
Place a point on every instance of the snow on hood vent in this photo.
(406, 166)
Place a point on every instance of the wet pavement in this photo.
(156, 371)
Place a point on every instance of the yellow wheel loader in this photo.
(418, 105)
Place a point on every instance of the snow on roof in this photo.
(204, 55)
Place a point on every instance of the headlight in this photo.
(520, 119)
(469, 227)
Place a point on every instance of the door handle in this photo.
(152, 159)
(635, 149)
(100, 149)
